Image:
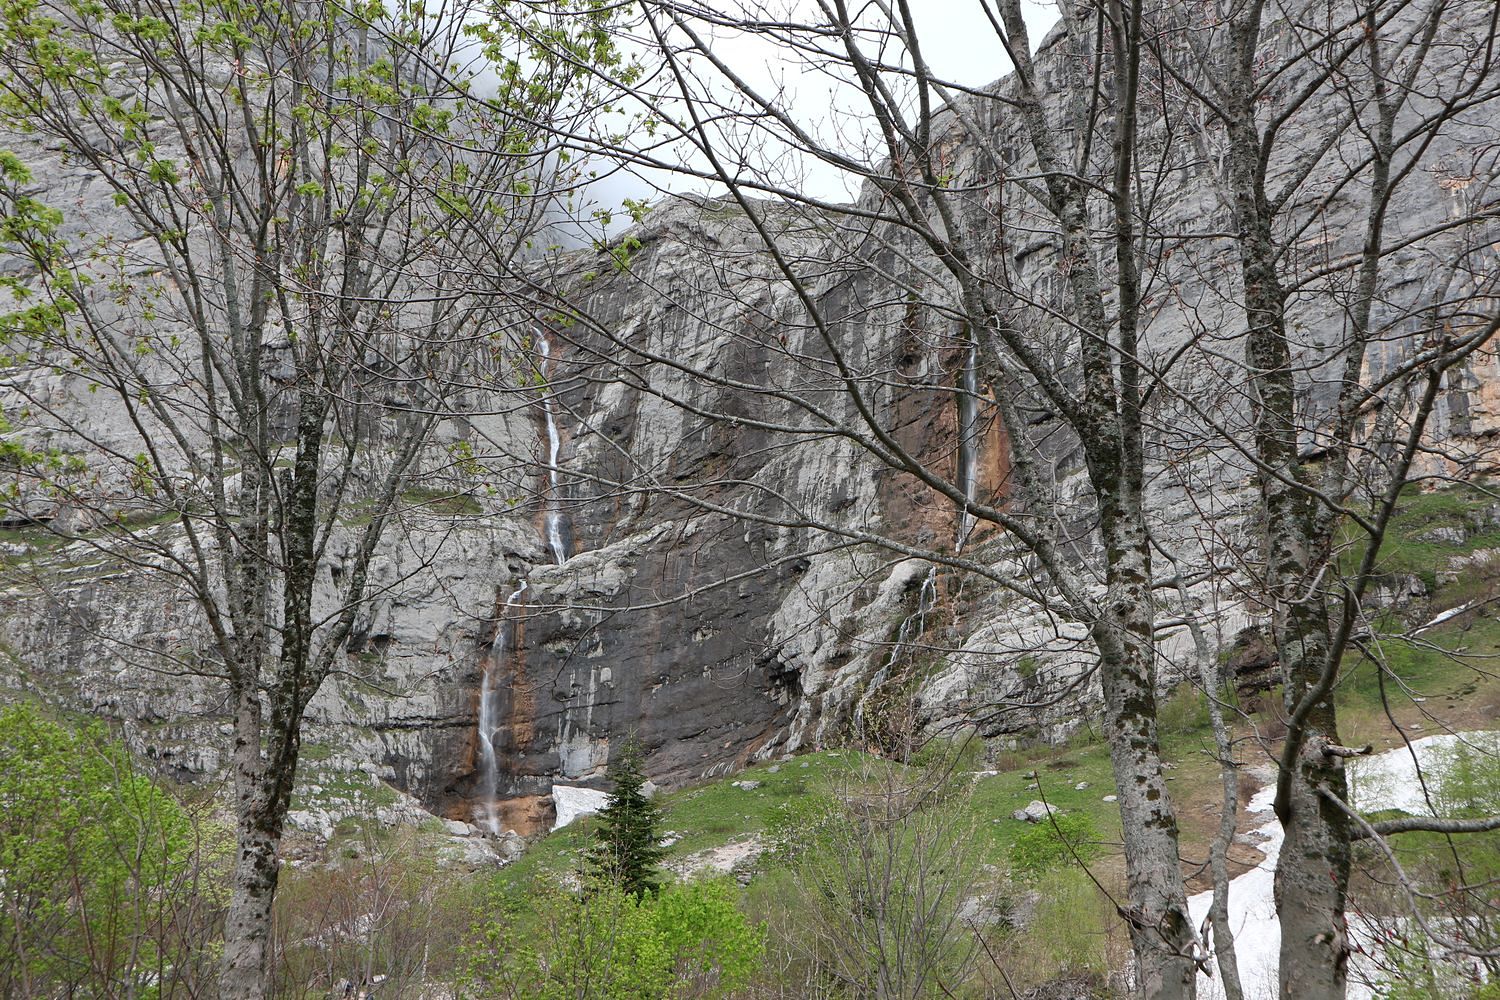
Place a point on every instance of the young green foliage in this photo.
(89, 849)
(688, 940)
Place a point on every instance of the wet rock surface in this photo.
(715, 639)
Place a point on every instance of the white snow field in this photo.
(1389, 780)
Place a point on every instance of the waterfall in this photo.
(915, 624)
(555, 520)
(968, 440)
(489, 772)
(911, 629)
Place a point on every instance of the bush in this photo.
(1063, 840)
(867, 884)
(1069, 934)
(1184, 711)
(378, 905)
(99, 893)
(714, 948)
(689, 940)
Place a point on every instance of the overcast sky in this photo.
(957, 42)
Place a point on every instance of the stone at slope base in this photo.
(1035, 811)
(573, 802)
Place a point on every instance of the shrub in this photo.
(867, 885)
(1062, 840)
(98, 867)
(714, 948)
(688, 940)
(1070, 929)
(1184, 711)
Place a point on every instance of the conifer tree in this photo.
(629, 846)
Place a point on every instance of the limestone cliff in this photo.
(696, 607)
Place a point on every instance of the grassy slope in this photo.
(1443, 676)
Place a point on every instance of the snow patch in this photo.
(1444, 616)
(1387, 780)
(1252, 913)
(1391, 780)
(572, 802)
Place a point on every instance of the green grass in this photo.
(1058, 771)
(438, 500)
(338, 788)
(1447, 669)
(1405, 552)
(33, 541)
(717, 813)
(706, 816)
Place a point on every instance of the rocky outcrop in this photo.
(699, 608)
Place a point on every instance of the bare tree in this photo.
(1130, 235)
(929, 251)
(254, 326)
(1340, 419)
(886, 868)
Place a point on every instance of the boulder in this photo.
(571, 802)
(1035, 811)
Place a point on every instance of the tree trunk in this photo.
(1312, 880)
(1312, 875)
(247, 924)
(1161, 932)
(247, 927)
(262, 784)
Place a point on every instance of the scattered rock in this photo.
(1035, 811)
(981, 912)
(317, 822)
(737, 858)
(471, 853)
(509, 846)
(1111, 798)
(748, 786)
(1080, 786)
(774, 769)
(1252, 661)
(458, 828)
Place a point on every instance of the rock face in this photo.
(691, 609)
(572, 803)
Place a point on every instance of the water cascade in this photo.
(557, 528)
(968, 481)
(559, 542)
(911, 629)
(489, 721)
(969, 431)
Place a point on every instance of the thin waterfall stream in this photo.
(915, 624)
(489, 714)
(558, 534)
(557, 527)
(968, 442)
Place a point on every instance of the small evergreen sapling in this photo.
(629, 846)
